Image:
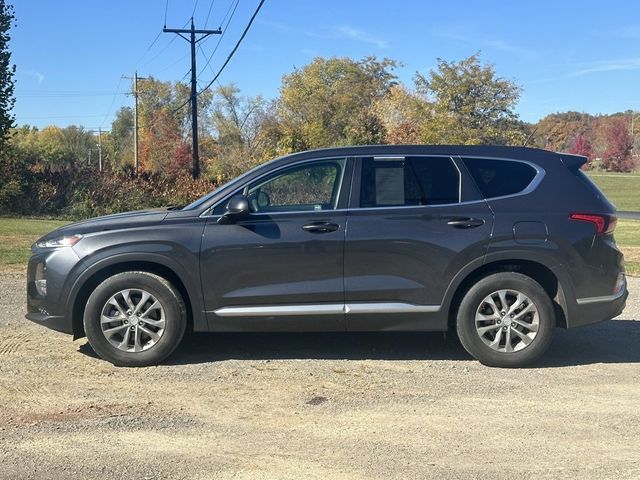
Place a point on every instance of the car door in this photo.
(281, 267)
(413, 223)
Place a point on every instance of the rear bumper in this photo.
(60, 324)
(598, 309)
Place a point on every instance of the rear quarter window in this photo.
(497, 178)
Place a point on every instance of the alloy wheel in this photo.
(133, 320)
(507, 321)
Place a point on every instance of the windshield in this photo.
(204, 199)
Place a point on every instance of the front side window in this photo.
(310, 186)
(406, 181)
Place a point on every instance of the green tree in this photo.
(239, 128)
(65, 148)
(329, 102)
(7, 71)
(119, 143)
(470, 104)
(402, 114)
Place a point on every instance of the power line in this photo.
(137, 63)
(194, 37)
(112, 102)
(45, 117)
(67, 95)
(208, 13)
(244, 33)
(184, 77)
(255, 14)
(215, 49)
(194, 9)
(164, 48)
(71, 92)
(172, 64)
(227, 14)
(205, 40)
(149, 47)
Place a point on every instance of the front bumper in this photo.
(58, 323)
(50, 308)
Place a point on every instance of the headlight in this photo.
(60, 242)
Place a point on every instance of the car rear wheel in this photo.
(135, 319)
(506, 320)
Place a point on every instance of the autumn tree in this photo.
(7, 71)
(470, 104)
(329, 102)
(164, 129)
(582, 146)
(558, 131)
(402, 114)
(617, 157)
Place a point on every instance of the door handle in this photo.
(465, 222)
(320, 227)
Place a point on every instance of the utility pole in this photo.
(135, 79)
(100, 149)
(193, 40)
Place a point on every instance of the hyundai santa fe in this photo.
(500, 244)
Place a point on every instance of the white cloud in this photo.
(352, 33)
(607, 66)
(480, 43)
(32, 73)
(346, 32)
(580, 69)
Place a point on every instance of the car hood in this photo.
(116, 221)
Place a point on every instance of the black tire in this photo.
(168, 297)
(471, 339)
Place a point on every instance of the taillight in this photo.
(603, 223)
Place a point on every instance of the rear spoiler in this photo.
(573, 162)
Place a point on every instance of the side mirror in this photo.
(237, 207)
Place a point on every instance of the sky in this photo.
(71, 55)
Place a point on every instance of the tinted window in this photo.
(388, 182)
(496, 178)
(311, 186)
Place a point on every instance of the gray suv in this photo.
(501, 244)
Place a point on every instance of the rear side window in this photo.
(497, 178)
(406, 181)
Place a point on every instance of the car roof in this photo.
(494, 151)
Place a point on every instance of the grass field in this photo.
(18, 234)
(16, 237)
(628, 239)
(623, 189)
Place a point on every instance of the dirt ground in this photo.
(376, 406)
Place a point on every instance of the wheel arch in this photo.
(551, 279)
(158, 265)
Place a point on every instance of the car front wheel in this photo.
(135, 319)
(506, 320)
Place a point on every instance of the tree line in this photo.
(328, 102)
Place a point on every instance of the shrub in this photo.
(82, 194)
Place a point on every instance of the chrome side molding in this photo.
(324, 309)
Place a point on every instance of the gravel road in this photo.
(324, 406)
